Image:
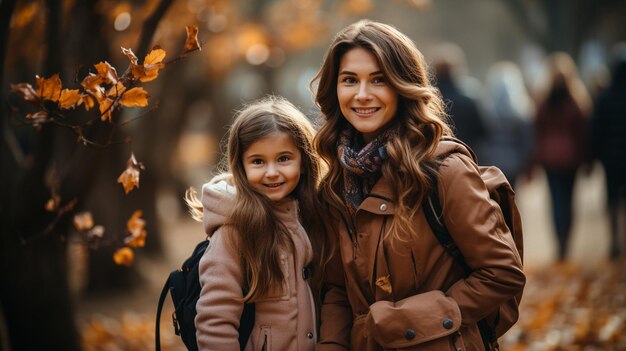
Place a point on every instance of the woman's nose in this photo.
(363, 93)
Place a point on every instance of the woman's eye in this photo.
(348, 80)
(378, 80)
(283, 159)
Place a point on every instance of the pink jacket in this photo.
(284, 320)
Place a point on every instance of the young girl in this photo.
(259, 233)
(395, 286)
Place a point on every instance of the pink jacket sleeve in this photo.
(220, 304)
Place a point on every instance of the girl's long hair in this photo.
(421, 118)
(260, 234)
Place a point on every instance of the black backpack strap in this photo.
(157, 331)
(246, 325)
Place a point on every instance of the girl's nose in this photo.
(271, 171)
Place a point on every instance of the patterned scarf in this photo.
(363, 166)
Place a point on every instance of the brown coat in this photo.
(412, 295)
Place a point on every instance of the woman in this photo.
(391, 284)
(561, 140)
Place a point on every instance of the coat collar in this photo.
(380, 200)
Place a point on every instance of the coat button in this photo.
(309, 335)
(383, 207)
(409, 334)
(448, 324)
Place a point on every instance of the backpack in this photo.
(184, 286)
(500, 191)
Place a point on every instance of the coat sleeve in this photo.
(336, 313)
(477, 226)
(220, 304)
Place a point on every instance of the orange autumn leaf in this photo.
(26, 92)
(107, 72)
(53, 204)
(49, 88)
(69, 98)
(155, 57)
(83, 221)
(151, 65)
(105, 109)
(91, 83)
(116, 90)
(135, 223)
(192, 44)
(130, 177)
(87, 101)
(138, 240)
(135, 97)
(136, 227)
(123, 256)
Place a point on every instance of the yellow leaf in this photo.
(154, 57)
(107, 72)
(87, 101)
(69, 98)
(135, 97)
(130, 177)
(91, 83)
(136, 227)
(105, 109)
(123, 256)
(49, 88)
(26, 91)
(83, 221)
(116, 90)
(192, 44)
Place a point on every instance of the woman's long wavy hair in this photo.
(421, 118)
(260, 234)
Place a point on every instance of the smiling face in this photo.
(273, 165)
(367, 102)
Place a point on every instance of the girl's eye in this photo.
(257, 161)
(283, 159)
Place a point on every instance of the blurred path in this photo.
(589, 242)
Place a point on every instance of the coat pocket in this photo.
(264, 339)
(428, 321)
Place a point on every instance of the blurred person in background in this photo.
(448, 65)
(561, 140)
(508, 112)
(608, 127)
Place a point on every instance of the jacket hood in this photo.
(449, 145)
(218, 199)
